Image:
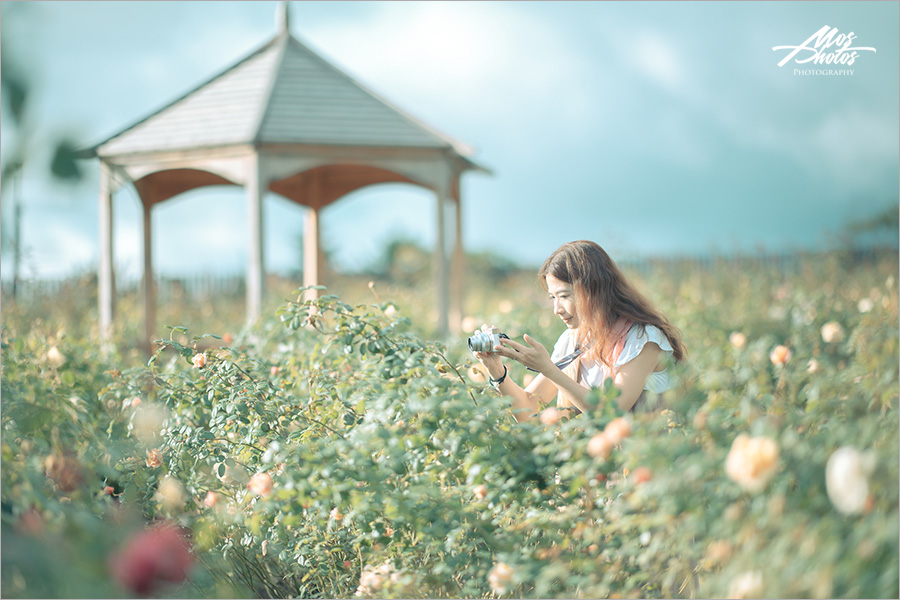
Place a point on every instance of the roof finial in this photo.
(282, 18)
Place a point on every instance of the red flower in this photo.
(108, 490)
(642, 475)
(151, 556)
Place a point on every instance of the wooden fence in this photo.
(205, 286)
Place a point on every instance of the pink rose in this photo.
(158, 554)
(617, 430)
(600, 446)
(781, 355)
(154, 459)
(550, 416)
(261, 484)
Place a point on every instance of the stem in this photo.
(458, 374)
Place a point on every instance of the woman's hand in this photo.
(534, 355)
(491, 361)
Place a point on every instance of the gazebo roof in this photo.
(282, 93)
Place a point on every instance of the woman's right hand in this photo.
(492, 361)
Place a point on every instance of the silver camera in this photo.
(484, 341)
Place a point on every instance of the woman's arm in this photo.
(632, 376)
(525, 401)
(550, 379)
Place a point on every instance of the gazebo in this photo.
(281, 119)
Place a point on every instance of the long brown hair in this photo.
(602, 297)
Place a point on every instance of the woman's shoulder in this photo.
(638, 336)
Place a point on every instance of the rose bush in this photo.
(336, 453)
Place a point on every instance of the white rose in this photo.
(233, 475)
(170, 493)
(752, 462)
(500, 578)
(847, 479)
(746, 585)
(737, 339)
(372, 579)
(832, 332)
(865, 305)
(147, 422)
(55, 357)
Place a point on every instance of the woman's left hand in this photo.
(534, 355)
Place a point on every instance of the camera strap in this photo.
(565, 361)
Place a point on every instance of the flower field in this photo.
(335, 450)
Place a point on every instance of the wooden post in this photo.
(105, 276)
(256, 187)
(312, 252)
(456, 306)
(17, 227)
(440, 256)
(149, 290)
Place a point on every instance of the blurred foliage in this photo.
(25, 139)
(885, 223)
(405, 261)
(334, 451)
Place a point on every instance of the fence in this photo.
(205, 286)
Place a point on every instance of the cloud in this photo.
(855, 145)
(659, 60)
(482, 59)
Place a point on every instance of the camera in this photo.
(484, 341)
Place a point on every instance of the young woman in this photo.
(611, 332)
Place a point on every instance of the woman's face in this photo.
(562, 295)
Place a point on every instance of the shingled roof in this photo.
(282, 93)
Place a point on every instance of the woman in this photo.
(611, 331)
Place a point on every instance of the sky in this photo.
(652, 128)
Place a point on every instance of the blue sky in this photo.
(652, 128)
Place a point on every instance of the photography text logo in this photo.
(827, 46)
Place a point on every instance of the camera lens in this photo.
(476, 342)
